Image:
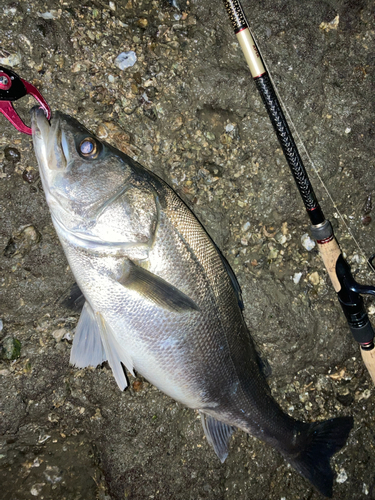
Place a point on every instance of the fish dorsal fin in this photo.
(115, 353)
(156, 289)
(235, 285)
(218, 435)
(87, 349)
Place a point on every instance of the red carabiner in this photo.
(12, 88)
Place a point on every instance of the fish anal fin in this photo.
(87, 349)
(156, 289)
(218, 434)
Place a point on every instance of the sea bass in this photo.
(161, 299)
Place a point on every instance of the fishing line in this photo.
(302, 144)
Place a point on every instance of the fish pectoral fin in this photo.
(87, 349)
(218, 434)
(115, 353)
(156, 289)
(72, 298)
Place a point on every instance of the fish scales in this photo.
(198, 273)
(161, 299)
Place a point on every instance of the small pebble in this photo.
(273, 254)
(307, 242)
(332, 25)
(358, 259)
(9, 12)
(68, 337)
(53, 473)
(126, 60)
(11, 59)
(150, 113)
(367, 207)
(59, 334)
(36, 489)
(30, 175)
(12, 154)
(365, 394)
(76, 67)
(314, 278)
(31, 234)
(137, 385)
(142, 23)
(342, 476)
(22, 243)
(281, 238)
(102, 131)
(11, 348)
(366, 220)
(304, 397)
(52, 14)
(296, 278)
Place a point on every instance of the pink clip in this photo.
(12, 87)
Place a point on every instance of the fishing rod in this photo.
(349, 292)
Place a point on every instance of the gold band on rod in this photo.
(241, 28)
(251, 53)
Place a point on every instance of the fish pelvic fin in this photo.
(87, 349)
(115, 353)
(322, 440)
(95, 342)
(218, 435)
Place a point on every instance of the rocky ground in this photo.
(188, 110)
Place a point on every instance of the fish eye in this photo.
(88, 148)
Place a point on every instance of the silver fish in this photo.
(161, 299)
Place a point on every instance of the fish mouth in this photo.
(50, 142)
(52, 152)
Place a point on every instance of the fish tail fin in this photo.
(321, 440)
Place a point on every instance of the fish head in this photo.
(78, 171)
(89, 185)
